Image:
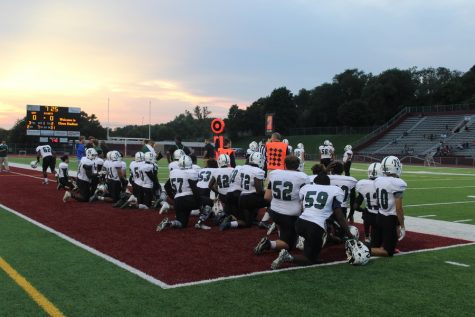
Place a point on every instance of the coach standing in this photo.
(80, 149)
(3, 157)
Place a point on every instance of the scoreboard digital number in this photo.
(58, 124)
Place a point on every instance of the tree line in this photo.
(353, 98)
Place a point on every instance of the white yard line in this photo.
(423, 172)
(444, 187)
(426, 216)
(457, 264)
(436, 204)
(471, 196)
(463, 220)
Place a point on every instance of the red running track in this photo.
(172, 256)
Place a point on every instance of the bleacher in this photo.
(423, 134)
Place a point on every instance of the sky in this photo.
(178, 54)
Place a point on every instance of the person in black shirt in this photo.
(209, 150)
(178, 146)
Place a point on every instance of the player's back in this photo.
(346, 183)
(285, 186)
(387, 188)
(179, 179)
(223, 178)
(317, 201)
(366, 188)
(248, 175)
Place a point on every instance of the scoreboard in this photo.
(53, 124)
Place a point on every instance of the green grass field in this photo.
(422, 284)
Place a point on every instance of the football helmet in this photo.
(374, 170)
(114, 156)
(354, 232)
(253, 146)
(391, 165)
(257, 159)
(139, 157)
(285, 141)
(357, 253)
(34, 164)
(91, 153)
(149, 157)
(185, 162)
(326, 142)
(178, 154)
(224, 160)
(108, 155)
(300, 146)
(348, 147)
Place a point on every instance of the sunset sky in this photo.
(214, 53)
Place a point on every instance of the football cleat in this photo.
(271, 229)
(201, 225)
(162, 225)
(132, 200)
(164, 208)
(67, 196)
(264, 244)
(284, 256)
(226, 223)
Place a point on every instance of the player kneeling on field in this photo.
(84, 178)
(182, 187)
(389, 226)
(285, 206)
(114, 179)
(252, 194)
(320, 200)
(64, 181)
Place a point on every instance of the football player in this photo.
(285, 207)
(84, 178)
(114, 178)
(320, 201)
(299, 152)
(347, 157)
(96, 170)
(204, 178)
(148, 171)
(289, 147)
(135, 179)
(367, 193)
(234, 192)
(326, 153)
(347, 184)
(182, 187)
(64, 181)
(390, 220)
(253, 147)
(176, 156)
(251, 198)
(123, 164)
(49, 161)
(221, 178)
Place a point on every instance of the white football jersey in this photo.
(290, 148)
(97, 162)
(173, 166)
(326, 151)
(111, 168)
(134, 168)
(45, 150)
(248, 173)
(223, 179)
(196, 167)
(179, 180)
(365, 188)
(346, 183)
(285, 186)
(82, 171)
(347, 156)
(145, 168)
(300, 153)
(63, 170)
(204, 176)
(386, 190)
(318, 202)
(235, 180)
(124, 167)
